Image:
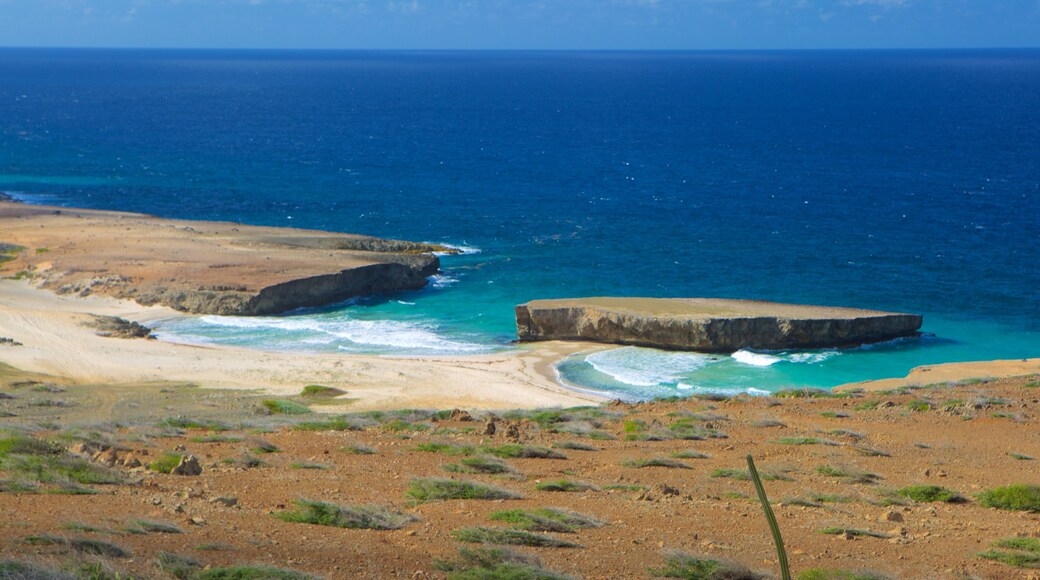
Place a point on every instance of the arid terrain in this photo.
(843, 474)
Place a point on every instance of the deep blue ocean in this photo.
(899, 180)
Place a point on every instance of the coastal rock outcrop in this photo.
(205, 267)
(708, 325)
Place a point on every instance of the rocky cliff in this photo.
(708, 325)
(204, 267)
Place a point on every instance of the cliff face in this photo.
(708, 325)
(300, 293)
(204, 267)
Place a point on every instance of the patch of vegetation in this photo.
(600, 436)
(431, 489)
(321, 392)
(690, 454)
(180, 567)
(829, 498)
(834, 415)
(565, 485)
(809, 394)
(330, 424)
(284, 407)
(480, 464)
(446, 448)
(919, 405)
(8, 252)
(852, 475)
(1020, 456)
(804, 441)
(368, 517)
(575, 445)
(152, 526)
(634, 426)
(495, 564)
(855, 532)
(867, 405)
(261, 447)
(546, 520)
(509, 536)
(625, 487)
(83, 545)
(190, 423)
(829, 574)
(251, 573)
(166, 462)
(869, 451)
(846, 433)
(745, 475)
(63, 470)
(216, 439)
(930, 493)
(308, 465)
(399, 425)
(15, 570)
(655, 462)
(1013, 497)
(1018, 552)
(512, 450)
(358, 449)
(767, 423)
(26, 445)
(681, 565)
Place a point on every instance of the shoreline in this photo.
(56, 342)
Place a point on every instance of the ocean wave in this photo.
(442, 280)
(345, 333)
(755, 359)
(459, 248)
(812, 357)
(646, 367)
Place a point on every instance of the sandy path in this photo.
(56, 342)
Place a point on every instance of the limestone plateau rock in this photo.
(204, 267)
(708, 324)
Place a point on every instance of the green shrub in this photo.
(356, 516)
(575, 445)
(331, 424)
(1013, 497)
(930, 493)
(827, 574)
(152, 526)
(804, 441)
(546, 520)
(251, 573)
(1018, 552)
(655, 462)
(480, 464)
(495, 564)
(681, 565)
(430, 489)
(285, 407)
(321, 392)
(180, 567)
(84, 545)
(854, 532)
(564, 485)
(919, 405)
(512, 450)
(166, 462)
(510, 537)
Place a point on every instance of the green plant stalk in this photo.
(774, 528)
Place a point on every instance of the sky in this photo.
(521, 24)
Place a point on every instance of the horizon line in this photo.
(533, 50)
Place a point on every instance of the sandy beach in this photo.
(57, 341)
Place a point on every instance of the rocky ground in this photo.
(892, 484)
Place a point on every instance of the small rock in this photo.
(224, 500)
(460, 415)
(189, 465)
(490, 426)
(197, 521)
(130, 460)
(107, 457)
(891, 516)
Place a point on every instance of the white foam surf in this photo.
(646, 367)
(346, 334)
(755, 358)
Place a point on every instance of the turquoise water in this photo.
(892, 180)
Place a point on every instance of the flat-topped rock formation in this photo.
(203, 267)
(707, 324)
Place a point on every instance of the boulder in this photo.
(708, 324)
(189, 465)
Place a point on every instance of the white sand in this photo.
(56, 342)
